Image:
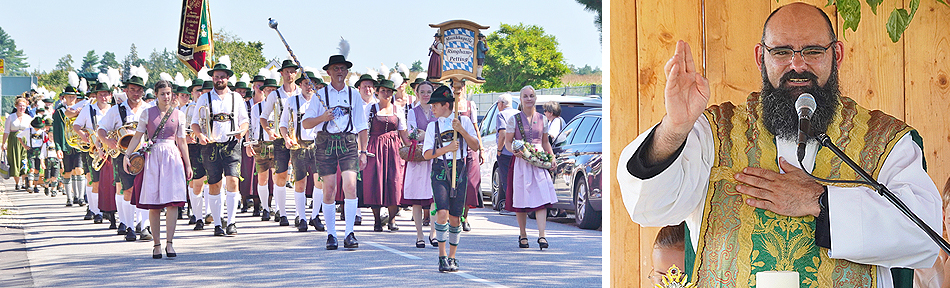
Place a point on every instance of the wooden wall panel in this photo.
(730, 48)
(927, 85)
(624, 234)
(872, 71)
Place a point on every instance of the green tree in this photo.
(14, 60)
(245, 56)
(89, 62)
(596, 6)
(131, 60)
(55, 80)
(416, 67)
(108, 61)
(164, 61)
(65, 63)
(522, 55)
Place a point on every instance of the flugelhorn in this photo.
(273, 25)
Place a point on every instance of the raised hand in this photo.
(687, 91)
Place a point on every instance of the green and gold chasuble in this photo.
(737, 240)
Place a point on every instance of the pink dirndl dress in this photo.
(530, 188)
(163, 179)
(417, 188)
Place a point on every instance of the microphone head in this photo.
(806, 100)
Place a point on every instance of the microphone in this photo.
(805, 105)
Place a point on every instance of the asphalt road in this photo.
(45, 244)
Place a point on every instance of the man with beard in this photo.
(731, 172)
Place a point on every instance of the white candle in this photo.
(776, 279)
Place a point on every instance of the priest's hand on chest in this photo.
(791, 194)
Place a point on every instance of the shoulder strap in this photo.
(326, 95)
(520, 126)
(92, 116)
(122, 113)
(233, 107)
(349, 126)
(297, 118)
(260, 130)
(210, 113)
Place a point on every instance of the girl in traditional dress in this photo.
(166, 166)
(15, 152)
(435, 58)
(530, 188)
(383, 175)
(417, 188)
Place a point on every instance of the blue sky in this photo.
(378, 31)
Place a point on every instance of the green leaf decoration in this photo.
(850, 11)
(874, 4)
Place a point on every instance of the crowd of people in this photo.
(204, 150)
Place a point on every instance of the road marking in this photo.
(394, 251)
(462, 274)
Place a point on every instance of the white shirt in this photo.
(339, 98)
(502, 124)
(229, 103)
(278, 100)
(84, 119)
(292, 115)
(445, 128)
(865, 227)
(113, 120)
(18, 123)
(36, 143)
(256, 132)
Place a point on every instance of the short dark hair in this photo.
(831, 29)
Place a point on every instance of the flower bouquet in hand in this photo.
(413, 151)
(533, 155)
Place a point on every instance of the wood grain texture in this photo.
(872, 70)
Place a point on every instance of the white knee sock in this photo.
(358, 211)
(280, 198)
(120, 209)
(129, 213)
(351, 209)
(197, 206)
(93, 201)
(143, 216)
(204, 192)
(264, 193)
(300, 198)
(317, 198)
(215, 203)
(233, 198)
(331, 221)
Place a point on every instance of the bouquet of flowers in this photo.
(533, 155)
(413, 151)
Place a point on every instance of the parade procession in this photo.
(200, 167)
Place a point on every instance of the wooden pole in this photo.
(457, 86)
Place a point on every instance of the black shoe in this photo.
(159, 255)
(129, 234)
(392, 227)
(420, 243)
(181, 213)
(466, 227)
(277, 217)
(209, 219)
(192, 220)
(443, 264)
(77, 201)
(434, 242)
(218, 231)
(200, 225)
(146, 234)
(317, 224)
(425, 221)
(302, 226)
(97, 219)
(265, 216)
(331, 242)
(283, 221)
(69, 203)
(121, 229)
(170, 254)
(112, 225)
(350, 241)
(378, 227)
(544, 244)
(256, 212)
(296, 221)
(46, 191)
(232, 229)
(453, 265)
(358, 220)
(522, 242)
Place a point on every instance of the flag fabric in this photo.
(195, 42)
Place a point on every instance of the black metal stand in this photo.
(881, 189)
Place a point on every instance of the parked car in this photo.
(571, 106)
(577, 174)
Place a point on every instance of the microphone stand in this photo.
(881, 189)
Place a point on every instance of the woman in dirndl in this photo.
(530, 188)
(16, 154)
(383, 175)
(166, 165)
(417, 188)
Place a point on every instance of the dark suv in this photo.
(577, 176)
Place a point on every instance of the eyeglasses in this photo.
(810, 54)
(339, 68)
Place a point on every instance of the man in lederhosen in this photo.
(222, 155)
(272, 106)
(263, 150)
(197, 185)
(128, 112)
(305, 164)
(67, 110)
(86, 123)
(340, 143)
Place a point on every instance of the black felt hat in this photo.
(337, 59)
(442, 94)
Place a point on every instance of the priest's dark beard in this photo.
(778, 104)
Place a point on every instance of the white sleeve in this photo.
(402, 122)
(469, 127)
(202, 101)
(677, 193)
(867, 228)
(269, 102)
(240, 111)
(23, 134)
(359, 123)
(143, 120)
(180, 133)
(429, 141)
(8, 123)
(411, 121)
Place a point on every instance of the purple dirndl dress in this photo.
(383, 175)
(529, 188)
(417, 186)
(473, 189)
(163, 178)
